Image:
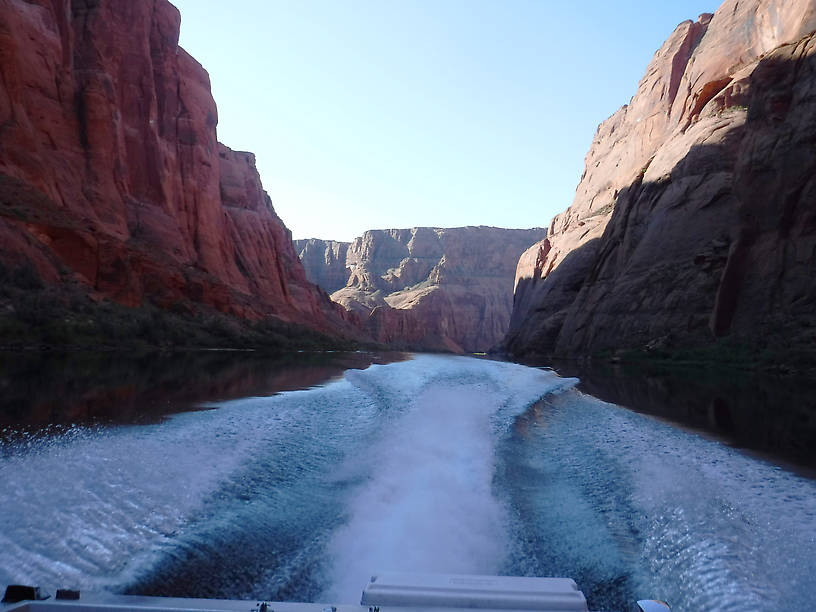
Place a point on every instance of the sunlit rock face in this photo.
(430, 288)
(111, 174)
(695, 217)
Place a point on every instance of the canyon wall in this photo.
(695, 219)
(430, 288)
(324, 262)
(111, 175)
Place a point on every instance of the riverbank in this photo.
(45, 391)
(37, 316)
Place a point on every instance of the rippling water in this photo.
(438, 464)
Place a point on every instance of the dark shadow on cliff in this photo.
(543, 306)
(712, 262)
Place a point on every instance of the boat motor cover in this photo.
(482, 592)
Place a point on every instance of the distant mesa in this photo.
(447, 289)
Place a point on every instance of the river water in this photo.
(430, 464)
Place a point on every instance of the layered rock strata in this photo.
(694, 219)
(324, 262)
(111, 174)
(433, 288)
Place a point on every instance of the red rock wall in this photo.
(112, 172)
(443, 289)
(324, 262)
(693, 220)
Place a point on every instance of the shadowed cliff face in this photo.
(428, 288)
(111, 174)
(324, 262)
(694, 219)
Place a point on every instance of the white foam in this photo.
(717, 529)
(97, 508)
(428, 504)
(76, 510)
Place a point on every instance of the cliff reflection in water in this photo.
(773, 415)
(38, 390)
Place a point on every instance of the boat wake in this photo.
(437, 464)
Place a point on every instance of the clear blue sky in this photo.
(396, 113)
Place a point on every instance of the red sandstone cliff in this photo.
(434, 288)
(695, 216)
(111, 173)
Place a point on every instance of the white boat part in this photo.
(469, 592)
(653, 605)
(384, 593)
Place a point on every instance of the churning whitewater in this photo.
(437, 464)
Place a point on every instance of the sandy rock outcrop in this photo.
(694, 218)
(324, 262)
(434, 288)
(111, 173)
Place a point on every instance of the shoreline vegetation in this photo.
(36, 316)
(722, 354)
(39, 316)
(719, 388)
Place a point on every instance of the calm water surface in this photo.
(772, 415)
(430, 464)
(49, 390)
